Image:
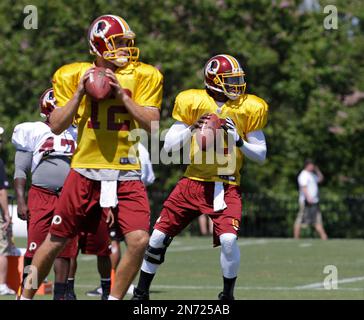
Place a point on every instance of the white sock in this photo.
(112, 298)
(23, 298)
(230, 255)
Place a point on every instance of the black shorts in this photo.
(309, 214)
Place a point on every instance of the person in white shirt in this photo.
(44, 159)
(309, 212)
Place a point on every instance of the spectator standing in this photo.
(309, 212)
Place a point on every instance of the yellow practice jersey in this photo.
(104, 126)
(249, 114)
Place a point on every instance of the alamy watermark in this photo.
(220, 150)
(31, 19)
(31, 281)
(331, 20)
(331, 280)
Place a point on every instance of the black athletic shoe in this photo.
(224, 297)
(140, 295)
(104, 297)
(71, 296)
(94, 293)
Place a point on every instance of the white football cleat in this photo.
(131, 290)
(5, 290)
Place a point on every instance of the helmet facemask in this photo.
(118, 55)
(232, 83)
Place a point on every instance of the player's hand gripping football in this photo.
(118, 90)
(230, 129)
(81, 85)
(198, 124)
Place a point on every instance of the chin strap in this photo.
(219, 95)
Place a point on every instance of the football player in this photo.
(210, 188)
(105, 169)
(147, 178)
(47, 157)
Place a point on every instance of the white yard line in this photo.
(319, 285)
(179, 248)
(244, 288)
(247, 288)
(305, 245)
(204, 247)
(86, 257)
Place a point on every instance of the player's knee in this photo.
(143, 242)
(158, 239)
(55, 243)
(157, 247)
(138, 242)
(228, 243)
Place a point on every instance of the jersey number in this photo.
(69, 143)
(48, 146)
(112, 125)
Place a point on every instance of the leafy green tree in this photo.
(311, 77)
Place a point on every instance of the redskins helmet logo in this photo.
(212, 67)
(100, 29)
(49, 99)
(56, 220)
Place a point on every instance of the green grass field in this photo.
(270, 269)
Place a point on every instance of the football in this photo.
(205, 136)
(97, 86)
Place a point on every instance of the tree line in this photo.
(311, 77)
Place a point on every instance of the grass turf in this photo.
(269, 269)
